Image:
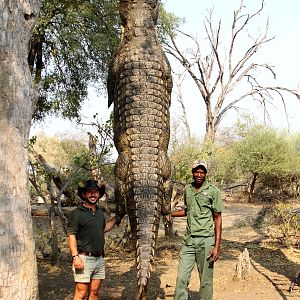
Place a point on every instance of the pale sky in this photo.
(282, 52)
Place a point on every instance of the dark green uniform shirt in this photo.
(200, 206)
(88, 226)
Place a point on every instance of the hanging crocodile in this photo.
(139, 85)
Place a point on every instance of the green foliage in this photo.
(104, 136)
(71, 47)
(221, 171)
(182, 156)
(68, 157)
(167, 24)
(188, 150)
(73, 158)
(262, 151)
(295, 154)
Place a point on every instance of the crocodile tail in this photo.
(142, 290)
(145, 222)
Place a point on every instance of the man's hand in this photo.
(213, 254)
(78, 263)
(110, 224)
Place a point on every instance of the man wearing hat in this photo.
(86, 227)
(201, 242)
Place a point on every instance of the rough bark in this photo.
(139, 85)
(210, 131)
(18, 276)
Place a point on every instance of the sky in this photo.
(282, 52)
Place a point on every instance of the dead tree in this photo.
(217, 74)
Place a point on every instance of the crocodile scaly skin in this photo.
(139, 85)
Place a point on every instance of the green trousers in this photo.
(194, 251)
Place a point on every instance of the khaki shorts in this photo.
(94, 268)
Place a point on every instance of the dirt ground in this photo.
(271, 271)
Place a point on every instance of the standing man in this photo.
(201, 242)
(86, 227)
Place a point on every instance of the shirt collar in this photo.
(81, 206)
(204, 186)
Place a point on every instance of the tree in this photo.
(262, 151)
(71, 47)
(18, 277)
(225, 79)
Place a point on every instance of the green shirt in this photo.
(200, 206)
(88, 226)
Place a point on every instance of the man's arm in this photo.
(175, 213)
(215, 252)
(72, 243)
(181, 212)
(178, 213)
(110, 224)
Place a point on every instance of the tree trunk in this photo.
(18, 276)
(252, 185)
(169, 231)
(55, 254)
(210, 131)
(168, 223)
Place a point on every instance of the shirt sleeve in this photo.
(72, 226)
(218, 205)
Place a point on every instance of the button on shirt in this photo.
(200, 205)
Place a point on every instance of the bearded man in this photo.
(86, 228)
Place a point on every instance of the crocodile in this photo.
(139, 84)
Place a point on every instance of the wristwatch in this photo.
(75, 256)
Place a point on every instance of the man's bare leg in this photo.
(81, 290)
(94, 289)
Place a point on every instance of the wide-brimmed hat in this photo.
(90, 185)
(199, 163)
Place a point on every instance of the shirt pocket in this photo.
(204, 202)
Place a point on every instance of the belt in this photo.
(92, 253)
